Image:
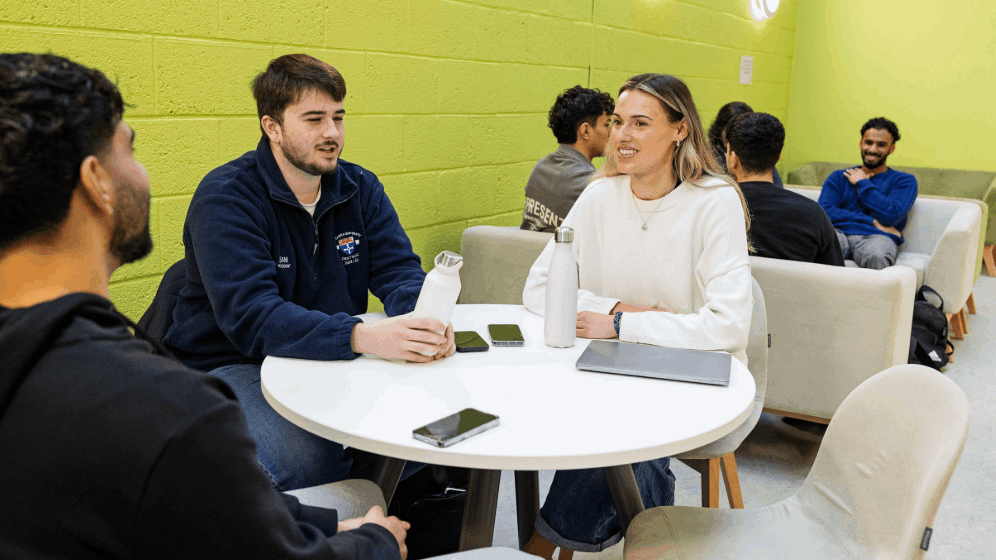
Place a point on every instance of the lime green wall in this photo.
(447, 99)
(925, 64)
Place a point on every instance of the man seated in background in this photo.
(282, 246)
(868, 204)
(112, 448)
(784, 224)
(581, 121)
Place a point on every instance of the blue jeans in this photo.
(293, 457)
(578, 513)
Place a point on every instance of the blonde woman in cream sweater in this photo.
(660, 238)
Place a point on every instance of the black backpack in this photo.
(929, 345)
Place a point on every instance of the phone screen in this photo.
(469, 341)
(456, 427)
(505, 335)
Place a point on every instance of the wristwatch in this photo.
(615, 321)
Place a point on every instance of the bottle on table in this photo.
(440, 290)
(561, 315)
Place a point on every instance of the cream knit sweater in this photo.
(691, 261)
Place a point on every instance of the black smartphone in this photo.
(505, 335)
(455, 427)
(469, 341)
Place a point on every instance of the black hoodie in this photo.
(109, 448)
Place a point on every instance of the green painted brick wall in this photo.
(447, 99)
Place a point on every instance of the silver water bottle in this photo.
(561, 316)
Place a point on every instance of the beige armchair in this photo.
(873, 491)
(941, 241)
(831, 329)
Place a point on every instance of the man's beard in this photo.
(297, 156)
(875, 163)
(130, 239)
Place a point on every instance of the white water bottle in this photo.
(561, 316)
(440, 290)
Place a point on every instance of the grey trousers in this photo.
(868, 251)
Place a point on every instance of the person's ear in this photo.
(272, 129)
(892, 148)
(682, 130)
(96, 185)
(585, 131)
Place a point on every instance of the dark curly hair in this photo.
(54, 113)
(726, 112)
(757, 139)
(575, 106)
(882, 123)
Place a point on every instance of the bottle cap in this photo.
(564, 235)
(448, 259)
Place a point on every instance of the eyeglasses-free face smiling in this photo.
(642, 139)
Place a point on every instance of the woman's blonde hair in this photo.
(693, 158)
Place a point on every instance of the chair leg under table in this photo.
(478, 529)
(387, 474)
(970, 304)
(732, 480)
(989, 257)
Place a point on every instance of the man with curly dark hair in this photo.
(580, 120)
(110, 446)
(783, 224)
(868, 204)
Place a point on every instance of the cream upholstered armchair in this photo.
(873, 491)
(941, 244)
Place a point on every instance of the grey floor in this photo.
(775, 459)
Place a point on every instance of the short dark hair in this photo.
(757, 139)
(54, 113)
(289, 77)
(575, 106)
(882, 123)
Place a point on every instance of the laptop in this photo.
(658, 362)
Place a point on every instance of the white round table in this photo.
(552, 415)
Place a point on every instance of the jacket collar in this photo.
(571, 152)
(337, 186)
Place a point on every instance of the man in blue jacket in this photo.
(868, 204)
(282, 245)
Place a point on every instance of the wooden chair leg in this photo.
(732, 480)
(970, 304)
(565, 554)
(964, 320)
(955, 327)
(989, 257)
(710, 485)
(539, 546)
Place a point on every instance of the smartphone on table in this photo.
(506, 335)
(455, 427)
(469, 341)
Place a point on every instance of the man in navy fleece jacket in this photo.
(282, 245)
(868, 204)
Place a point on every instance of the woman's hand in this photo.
(596, 325)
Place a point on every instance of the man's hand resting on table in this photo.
(402, 338)
(397, 527)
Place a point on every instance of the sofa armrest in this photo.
(831, 328)
(496, 262)
(952, 265)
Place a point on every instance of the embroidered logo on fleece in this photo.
(348, 244)
(283, 262)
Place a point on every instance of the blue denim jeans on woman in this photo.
(293, 457)
(578, 513)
